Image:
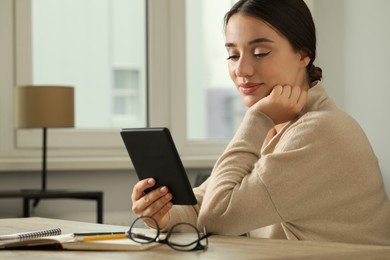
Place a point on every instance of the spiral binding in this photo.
(38, 234)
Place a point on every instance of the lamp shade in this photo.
(44, 106)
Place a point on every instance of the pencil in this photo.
(98, 233)
(104, 237)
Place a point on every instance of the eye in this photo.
(261, 54)
(233, 57)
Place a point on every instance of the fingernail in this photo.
(168, 196)
(150, 181)
(163, 189)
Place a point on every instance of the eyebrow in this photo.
(257, 40)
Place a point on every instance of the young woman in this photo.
(298, 167)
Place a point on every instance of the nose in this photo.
(244, 67)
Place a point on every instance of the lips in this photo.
(249, 88)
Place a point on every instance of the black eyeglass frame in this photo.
(166, 240)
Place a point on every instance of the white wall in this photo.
(354, 53)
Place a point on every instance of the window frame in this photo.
(70, 149)
(194, 153)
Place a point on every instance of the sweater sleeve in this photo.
(235, 191)
(241, 144)
(188, 214)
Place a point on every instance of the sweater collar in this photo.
(316, 97)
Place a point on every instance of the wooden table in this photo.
(220, 247)
(28, 195)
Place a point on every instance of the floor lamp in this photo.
(44, 107)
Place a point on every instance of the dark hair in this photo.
(292, 18)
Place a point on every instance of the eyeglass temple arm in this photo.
(206, 235)
(141, 236)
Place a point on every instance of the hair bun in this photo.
(315, 73)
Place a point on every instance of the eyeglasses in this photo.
(181, 236)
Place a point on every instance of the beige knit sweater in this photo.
(317, 179)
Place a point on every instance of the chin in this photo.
(248, 102)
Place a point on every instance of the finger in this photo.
(150, 223)
(140, 187)
(145, 205)
(286, 91)
(295, 94)
(157, 204)
(158, 216)
(277, 90)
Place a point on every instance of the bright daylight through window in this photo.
(102, 52)
(100, 48)
(214, 109)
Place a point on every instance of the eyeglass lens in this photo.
(137, 234)
(182, 236)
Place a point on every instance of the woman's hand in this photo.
(154, 204)
(283, 104)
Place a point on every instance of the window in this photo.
(99, 46)
(128, 99)
(214, 107)
(199, 73)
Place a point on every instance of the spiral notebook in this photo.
(31, 234)
(52, 240)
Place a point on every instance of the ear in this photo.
(305, 58)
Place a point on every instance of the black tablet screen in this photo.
(154, 155)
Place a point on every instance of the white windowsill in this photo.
(89, 163)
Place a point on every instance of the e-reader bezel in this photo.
(154, 155)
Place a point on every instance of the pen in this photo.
(97, 233)
(104, 237)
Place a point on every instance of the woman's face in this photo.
(259, 58)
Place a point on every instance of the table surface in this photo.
(220, 247)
